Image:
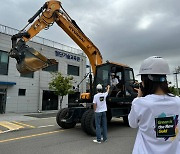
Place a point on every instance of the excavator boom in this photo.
(28, 59)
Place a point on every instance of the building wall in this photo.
(32, 101)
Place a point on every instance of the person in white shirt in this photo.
(113, 80)
(155, 112)
(100, 108)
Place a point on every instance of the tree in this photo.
(61, 86)
(173, 90)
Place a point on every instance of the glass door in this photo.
(49, 101)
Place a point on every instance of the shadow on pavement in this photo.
(42, 115)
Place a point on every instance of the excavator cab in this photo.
(123, 74)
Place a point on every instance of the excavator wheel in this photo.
(58, 114)
(83, 120)
(63, 114)
(90, 127)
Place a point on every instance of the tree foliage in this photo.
(61, 85)
(173, 90)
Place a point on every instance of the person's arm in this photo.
(94, 103)
(117, 81)
(108, 87)
(94, 106)
(133, 117)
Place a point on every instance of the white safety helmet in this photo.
(99, 86)
(154, 65)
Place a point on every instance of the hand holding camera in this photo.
(139, 90)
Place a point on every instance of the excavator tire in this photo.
(58, 114)
(83, 120)
(126, 122)
(90, 123)
(62, 115)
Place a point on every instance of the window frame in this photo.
(21, 93)
(46, 68)
(74, 74)
(26, 75)
(7, 64)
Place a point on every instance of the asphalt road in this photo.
(44, 136)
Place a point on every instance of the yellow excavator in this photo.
(30, 60)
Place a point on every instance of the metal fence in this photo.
(11, 31)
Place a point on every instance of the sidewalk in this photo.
(26, 116)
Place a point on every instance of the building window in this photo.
(29, 75)
(4, 60)
(73, 70)
(22, 92)
(52, 68)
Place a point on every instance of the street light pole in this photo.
(176, 83)
(177, 71)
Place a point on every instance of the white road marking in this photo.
(45, 126)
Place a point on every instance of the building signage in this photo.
(67, 56)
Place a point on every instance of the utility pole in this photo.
(177, 71)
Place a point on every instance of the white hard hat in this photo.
(154, 65)
(112, 73)
(99, 86)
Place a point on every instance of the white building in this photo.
(30, 93)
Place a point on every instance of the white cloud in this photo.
(144, 23)
(147, 20)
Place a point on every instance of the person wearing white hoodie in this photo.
(155, 112)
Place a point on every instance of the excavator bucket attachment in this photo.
(33, 61)
(28, 59)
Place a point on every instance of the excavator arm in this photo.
(28, 59)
